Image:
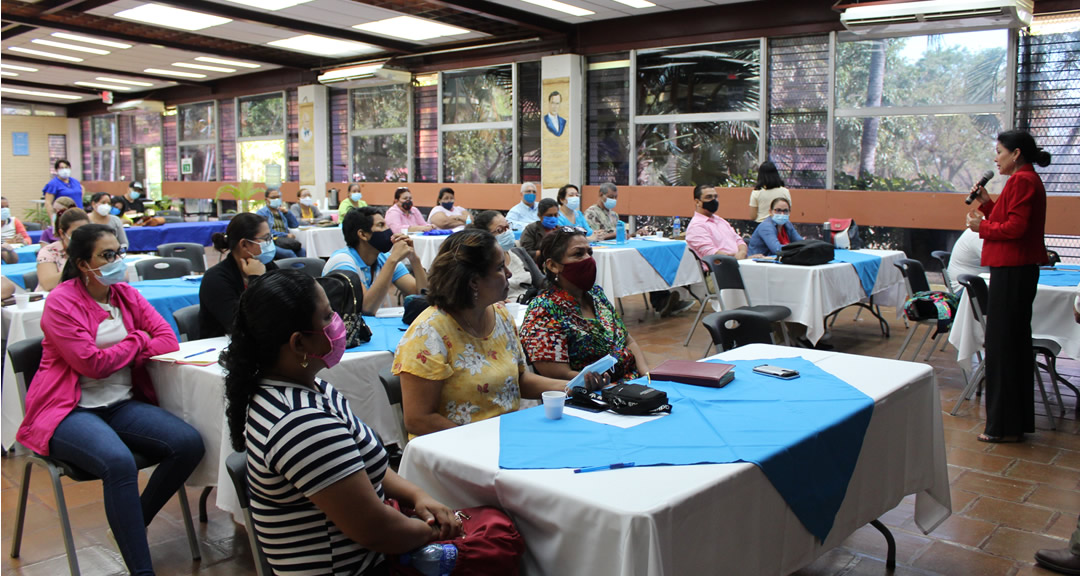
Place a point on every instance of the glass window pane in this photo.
(380, 107)
(197, 121)
(147, 130)
(608, 113)
(529, 120)
(262, 116)
(103, 131)
(147, 167)
(103, 165)
(425, 129)
(381, 158)
(254, 156)
(695, 79)
(701, 152)
(942, 69)
(483, 95)
(203, 158)
(478, 156)
(798, 117)
(945, 152)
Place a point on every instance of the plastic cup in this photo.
(22, 302)
(658, 234)
(553, 404)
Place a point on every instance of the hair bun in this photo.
(219, 241)
(1042, 157)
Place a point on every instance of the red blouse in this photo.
(1015, 223)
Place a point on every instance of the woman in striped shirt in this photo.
(317, 475)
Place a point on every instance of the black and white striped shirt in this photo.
(299, 441)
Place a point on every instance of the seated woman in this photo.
(353, 200)
(100, 213)
(571, 324)
(460, 361)
(548, 211)
(50, 234)
(570, 210)
(378, 257)
(404, 218)
(52, 258)
(251, 252)
(306, 211)
(774, 232)
(493, 221)
(12, 230)
(333, 521)
(91, 402)
(446, 216)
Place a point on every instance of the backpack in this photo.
(932, 304)
(841, 227)
(807, 253)
(345, 292)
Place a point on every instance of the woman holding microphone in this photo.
(1013, 248)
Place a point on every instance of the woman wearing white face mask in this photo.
(249, 250)
(101, 213)
(62, 185)
(496, 223)
(52, 257)
(774, 232)
(306, 210)
(352, 200)
(570, 210)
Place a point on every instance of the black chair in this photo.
(726, 276)
(915, 278)
(25, 357)
(226, 216)
(1053, 257)
(172, 219)
(311, 266)
(733, 328)
(710, 296)
(392, 384)
(31, 226)
(163, 268)
(187, 321)
(30, 280)
(942, 256)
(236, 465)
(536, 277)
(194, 253)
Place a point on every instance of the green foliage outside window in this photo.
(262, 116)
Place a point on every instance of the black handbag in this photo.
(345, 292)
(636, 399)
(807, 253)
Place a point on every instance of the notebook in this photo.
(707, 374)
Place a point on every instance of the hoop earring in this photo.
(304, 362)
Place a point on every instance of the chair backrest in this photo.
(236, 466)
(733, 328)
(1053, 257)
(31, 226)
(977, 294)
(392, 383)
(30, 280)
(187, 320)
(311, 266)
(725, 270)
(536, 276)
(195, 253)
(226, 216)
(942, 256)
(163, 268)
(914, 275)
(25, 358)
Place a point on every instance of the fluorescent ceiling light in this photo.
(171, 17)
(202, 67)
(637, 3)
(270, 4)
(45, 54)
(174, 73)
(350, 72)
(103, 86)
(6, 73)
(323, 46)
(40, 94)
(410, 28)
(67, 46)
(22, 68)
(227, 62)
(90, 40)
(119, 81)
(560, 7)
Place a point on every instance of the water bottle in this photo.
(433, 559)
(827, 227)
(620, 232)
(676, 228)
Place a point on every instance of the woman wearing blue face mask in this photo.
(250, 253)
(548, 211)
(447, 216)
(774, 232)
(62, 185)
(570, 210)
(92, 402)
(496, 223)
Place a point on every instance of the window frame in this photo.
(216, 140)
(511, 123)
(137, 149)
(406, 131)
(114, 148)
(284, 136)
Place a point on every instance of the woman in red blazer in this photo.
(1013, 248)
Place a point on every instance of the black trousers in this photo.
(1010, 365)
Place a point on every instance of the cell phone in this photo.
(777, 372)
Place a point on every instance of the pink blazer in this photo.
(70, 323)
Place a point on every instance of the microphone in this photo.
(982, 182)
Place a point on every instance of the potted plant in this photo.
(242, 192)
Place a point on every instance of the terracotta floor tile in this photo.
(1067, 501)
(952, 559)
(1026, 451)
(1010, 514)
(961, 499)
(1013, 489)
(981, 461)
(964, 530)
(1020, 545)
(868, 540)
(1045, 474)
(1068, 459)
(1063, 526)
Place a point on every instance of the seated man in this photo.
(133, 201)
(966, 258)
(524, 213)
(601, 216)
(709, 234)
(279, 217)
(377, 255)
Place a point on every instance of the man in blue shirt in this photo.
(281, 220)
(524, 213)
(62, 185)
(378, 256)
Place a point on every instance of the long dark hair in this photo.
(768, 177)
(80, 247)
(69, 217)
(273, 307)
(1013, 139)
(463, 256)
(242, 227)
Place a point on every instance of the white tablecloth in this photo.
(625, 272)
(320, 242)
(427, 248)
(813, 292)
(708, 519)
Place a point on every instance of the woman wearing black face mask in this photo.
(378, 256)
(403, 217)
(572, 324)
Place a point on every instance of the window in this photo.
(798, 79)
(477, 125)
(103, 141)
(608, 119)
(197, 141)
(379, 133)
(146, 133)
(528, 121)
(426, 128)
(57, 149)
(260, 135)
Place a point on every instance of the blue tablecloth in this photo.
(866, 266)
(28, 253)
(14, 272)
(167, 296)
(35, 235)
(804, 434)
(385, 335)
(664, 257)
(1060, 276)
(147, 239)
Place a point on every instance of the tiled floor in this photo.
(1008, 500)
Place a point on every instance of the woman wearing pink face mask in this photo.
(291, 423)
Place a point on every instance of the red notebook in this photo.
(706, 374)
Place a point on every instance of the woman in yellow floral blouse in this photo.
(461, 360)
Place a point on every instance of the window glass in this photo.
(381, 158)
(197, 121)
(203, 158)
(256, 154)
(483, 95)
(103, 131)
(478, 156)
(262, 116)
(103, 164)
(697, 79)
(691, 153)
(608, 119)
(380, 107)
(147, 130)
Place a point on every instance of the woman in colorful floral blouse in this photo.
(571, 324)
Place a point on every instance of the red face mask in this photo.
(581, 273)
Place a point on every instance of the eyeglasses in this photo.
(110, 256)
(260, 239)
(781, 211)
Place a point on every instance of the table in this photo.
(319, 242)
(148, 238)
(15, 272)
(427, 248)
(35, 235)
(706, 519)
(28, 253)
(814, 292)
(623, 271)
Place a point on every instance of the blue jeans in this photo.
(100, 441)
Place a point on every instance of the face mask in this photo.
(581, 273)
(407, 206)
(135, 195)
(573, 203)
(609, 203)
(112, 273)
(550, 222)
(103, 209)
(64, 173)
(529, 198)
(448, 206)
(355, 196)
(5, 214)
(780, 219)
(307, 201)
(275, 203)
(381, 240)
(711, 206)
(269, 249)
(114, 211)
(506, 240)
(335, 333)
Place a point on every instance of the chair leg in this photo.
(1053, 382)
(65, 521)
(189, 526)
(903, 347)
(1051, 363)
(933, 345)
(915, 356)
(783, 330)
(20, 511)
(707, 350)
(697, 320)
(969, 387)
(202, 504)
(1046, 401)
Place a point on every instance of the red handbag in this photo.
(491, 545)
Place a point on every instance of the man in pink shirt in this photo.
(402, 217)
(709, 234)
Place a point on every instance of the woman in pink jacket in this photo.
(91, 402)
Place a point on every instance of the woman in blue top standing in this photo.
(774, 232)
(62, 185)
(570, 210)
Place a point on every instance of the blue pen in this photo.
(607, 467)
(199, 353)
